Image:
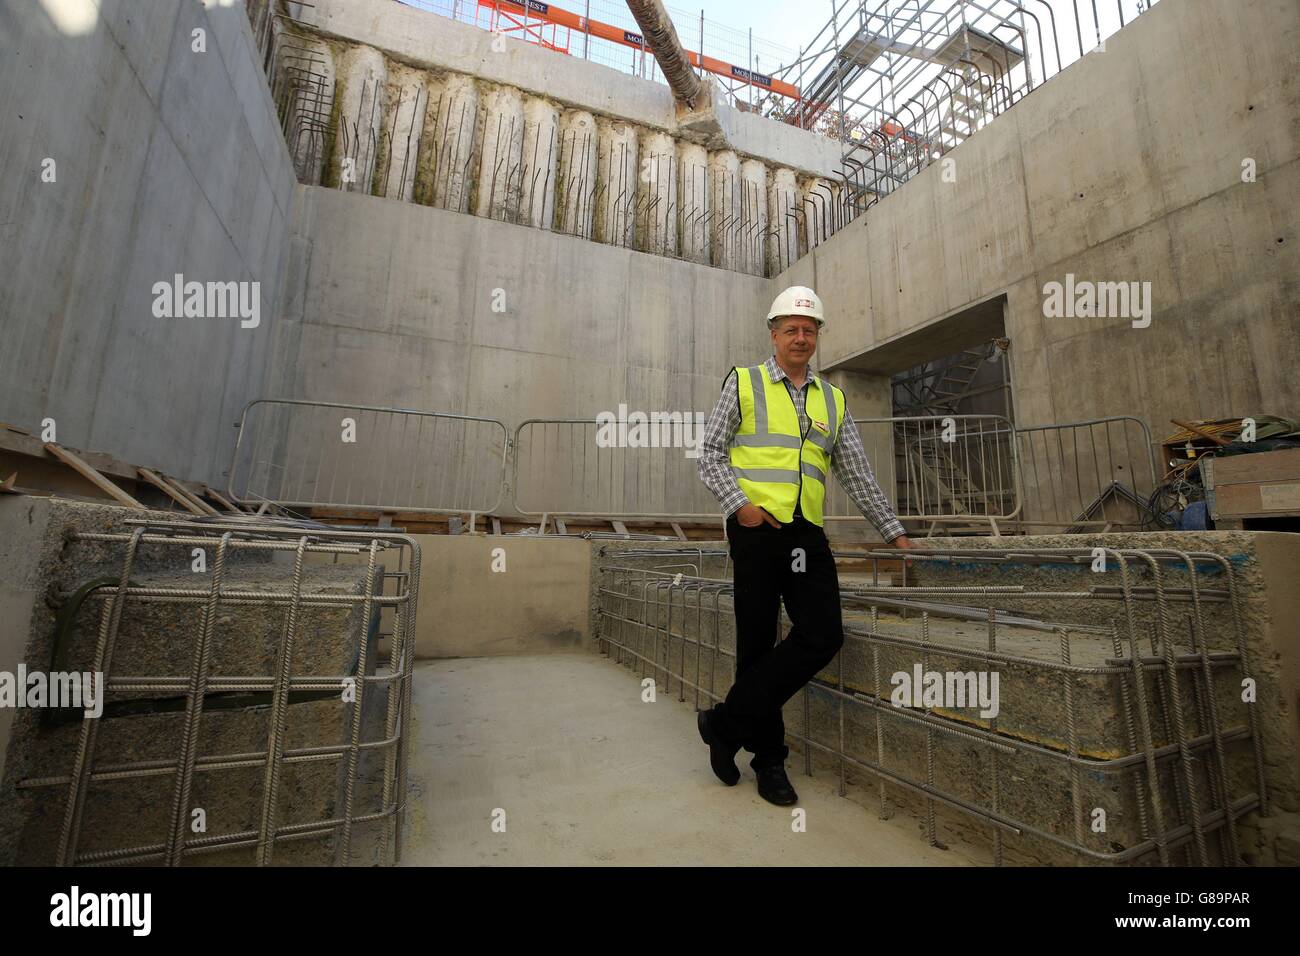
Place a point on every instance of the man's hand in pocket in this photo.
(751, 516)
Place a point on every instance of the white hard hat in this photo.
(798, 300)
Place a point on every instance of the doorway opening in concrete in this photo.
(958, 367)
(975, 380)
(947, 445)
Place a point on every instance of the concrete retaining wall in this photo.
(167, 161)
(398, 304)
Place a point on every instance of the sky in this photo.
(790, 24)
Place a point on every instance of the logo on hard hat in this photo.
(803, 303)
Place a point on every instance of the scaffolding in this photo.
(901, 82)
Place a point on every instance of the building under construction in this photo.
(355, 356)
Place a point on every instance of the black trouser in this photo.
(767, 676)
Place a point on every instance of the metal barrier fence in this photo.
(1141, 720)
(300, 606)
(1096, 474)
(632, 469)
(940, 468)
(937, 468)
(333, 455)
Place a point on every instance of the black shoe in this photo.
(774, 786)
(721, 757)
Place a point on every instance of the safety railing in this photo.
(301, 454)
(1091, 475)
(643, 466)
(940, 468)
(900, 85)
(954, 468)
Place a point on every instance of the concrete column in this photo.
(782, 201)
(501, 169)
(576, 187)
(362, 77)
(617, 170)
(753, 215)
(444, 176)
(817, 199)
(657, 195)
(724, 208)
(403, 125)
(311, 109)
(693, 200)
(541, 160)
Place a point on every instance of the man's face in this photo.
(795, 340)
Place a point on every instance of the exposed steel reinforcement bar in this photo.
(1178, 762)
(384, 594)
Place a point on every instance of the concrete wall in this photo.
(391, 303)
(1126, 167)
(167, 161)
(486, 595)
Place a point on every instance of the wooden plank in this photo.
(560, 526)
(221, 500)
(203, 506)
(496, 525)
(20, 442)
(1280, 465)
(171, 492)
(7, 486)
(619, 526)
(1204, 434)
(1258, 499)
(678, 528)
(91, 475)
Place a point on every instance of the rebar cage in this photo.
(1124, 738)
(250, 712)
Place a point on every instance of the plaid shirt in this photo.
(848, 457)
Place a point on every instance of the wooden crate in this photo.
(1263, 485)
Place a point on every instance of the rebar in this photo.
(631, 593)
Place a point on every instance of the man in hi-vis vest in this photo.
(774, 436)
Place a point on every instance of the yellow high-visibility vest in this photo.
(774, 464)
